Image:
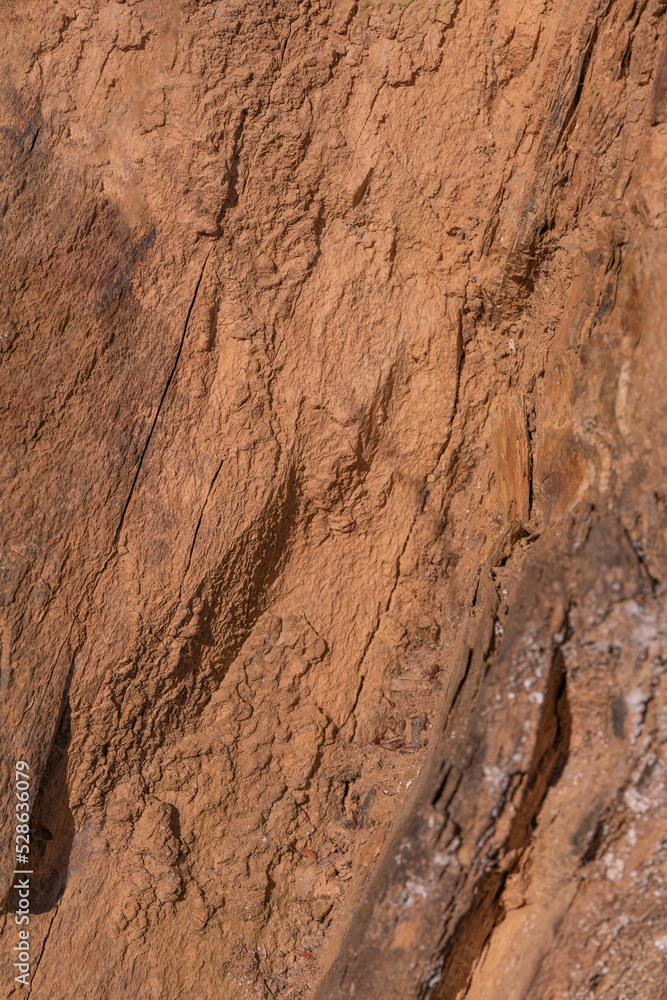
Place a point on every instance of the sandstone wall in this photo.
(332, 370)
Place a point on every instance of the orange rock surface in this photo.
(333, 529)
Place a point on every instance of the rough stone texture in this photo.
(332, 615)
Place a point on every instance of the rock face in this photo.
(332, 612)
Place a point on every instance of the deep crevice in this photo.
(475, 927)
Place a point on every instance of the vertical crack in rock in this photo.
(467, 942)
(160, 403)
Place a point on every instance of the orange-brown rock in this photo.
(332, 610)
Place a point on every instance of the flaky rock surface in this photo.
(332, 583)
